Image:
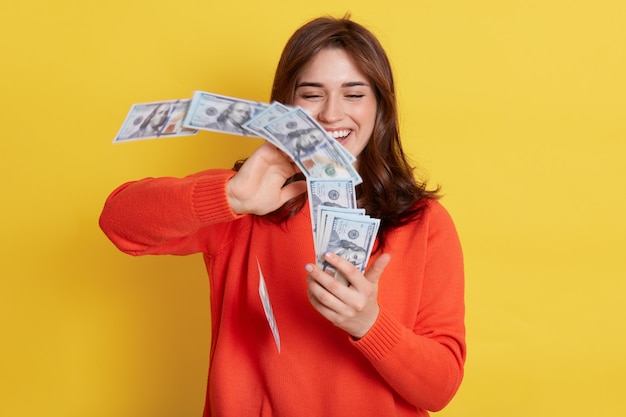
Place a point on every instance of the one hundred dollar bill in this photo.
(336, 193)
(155, 120)
(220, 113)
(267, 307)
(316, 153)
(350, 236)
(323, 215)
(298, 119)
(255, 124)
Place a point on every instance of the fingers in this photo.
(353, 309)
(361, 283)
(353, 275)
(259, 185)
(324, 293)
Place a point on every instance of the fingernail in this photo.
(329, 255)
(308, 267)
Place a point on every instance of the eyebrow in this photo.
(344, 85)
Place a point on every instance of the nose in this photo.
(331, 111)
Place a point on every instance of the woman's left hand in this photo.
(352, 308)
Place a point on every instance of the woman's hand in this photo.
(257, 188)
(352, 308)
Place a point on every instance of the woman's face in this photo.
(340, 98)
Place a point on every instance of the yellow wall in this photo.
(516, 107)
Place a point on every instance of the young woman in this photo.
(390, 343)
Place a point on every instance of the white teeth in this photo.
(338, 134)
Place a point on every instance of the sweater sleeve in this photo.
(164, 215)
(424, 364)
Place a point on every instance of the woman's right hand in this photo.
(257, 188)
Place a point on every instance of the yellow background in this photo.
(516, 107)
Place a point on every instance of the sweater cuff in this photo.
(381, 338)
(209, 199)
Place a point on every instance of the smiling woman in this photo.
(389, 190)
(341, 100)
(400, 343)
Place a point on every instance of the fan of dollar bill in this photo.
(338, 225)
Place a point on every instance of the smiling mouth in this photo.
(340, 135)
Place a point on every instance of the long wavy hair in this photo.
(390, 191)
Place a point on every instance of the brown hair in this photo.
(389, 190)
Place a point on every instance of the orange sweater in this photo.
(409, 362)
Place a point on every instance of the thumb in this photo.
(376, 269)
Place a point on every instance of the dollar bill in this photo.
(316, 153)
(267, 307)
(298, 119)
(256, 123)
(334, 193)
(155, 120)
(220, 113)
(350, 236)
(323, 214)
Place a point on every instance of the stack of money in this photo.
(338, 225)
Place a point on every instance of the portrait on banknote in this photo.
(221, 113)
(349, 236)
(302, 142)
(154, 120)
